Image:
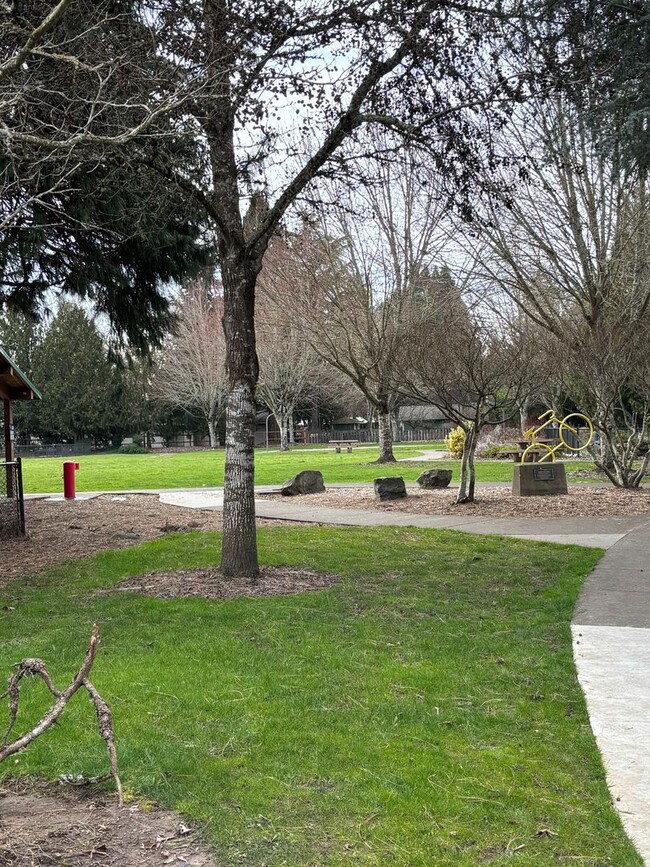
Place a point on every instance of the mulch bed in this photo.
(210, 584)
(582, 501)
(77, 827)
(59, 530)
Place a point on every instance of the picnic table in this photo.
(349, 445)
(517, 455)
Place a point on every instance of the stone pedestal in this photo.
(538, 480)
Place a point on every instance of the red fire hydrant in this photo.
(69, 469)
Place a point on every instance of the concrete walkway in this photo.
(611, 623)
(611, 647)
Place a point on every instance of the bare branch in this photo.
(37, 668)
(10, 66)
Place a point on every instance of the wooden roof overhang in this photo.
(14, 385)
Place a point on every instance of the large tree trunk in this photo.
(239, 550)
(395, 427)
(386, 455)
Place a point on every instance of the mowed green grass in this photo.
(424, 711)
(114, 472)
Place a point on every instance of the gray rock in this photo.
(390, 488)
(305, 482)
(434, 478)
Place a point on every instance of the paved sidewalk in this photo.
(590, 532)
(611, 646)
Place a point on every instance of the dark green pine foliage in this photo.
(96, 221)
(117, 237)
(76, 379)
(600, 52)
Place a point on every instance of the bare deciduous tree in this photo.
(471, 364)
(287, 362)
(366, 265)
(428, 70)
(572, 248)
(191, 370)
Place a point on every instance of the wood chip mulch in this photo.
(582, 501)
(59, 531)
(210, 584)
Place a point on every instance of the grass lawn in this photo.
(424, 711)
(112, 472)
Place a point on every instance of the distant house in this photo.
(427, 416)
(349, 424)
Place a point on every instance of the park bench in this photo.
(349, 445)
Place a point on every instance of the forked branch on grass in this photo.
(37, 668)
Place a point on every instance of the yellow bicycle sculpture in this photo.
(574, 424)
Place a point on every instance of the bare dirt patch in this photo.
(582, 501)
(210, 584)
(42, 824)
(60, 531)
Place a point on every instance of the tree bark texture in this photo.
(239, 547)
(283, 424)
(386, 455)
(239, 269)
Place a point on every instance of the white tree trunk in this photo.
(283, 424)
(394, 427)
(386, 455)
(212, 433)
(524, 409)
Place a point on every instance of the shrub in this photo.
(455, 441)
(132, 449)
(493, 442)
(494, 450)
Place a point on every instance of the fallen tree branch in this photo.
(37, 668)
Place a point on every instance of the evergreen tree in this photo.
(76, 379)
(20, 337)
(598, 54)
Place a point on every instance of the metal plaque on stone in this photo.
(544, 474)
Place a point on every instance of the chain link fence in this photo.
(12, 505)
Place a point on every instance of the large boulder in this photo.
(305, 482)
(390, 488)
(434, 478)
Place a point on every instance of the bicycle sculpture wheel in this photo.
(575, 433)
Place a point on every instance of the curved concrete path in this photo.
(611, 647)
(611, 622)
